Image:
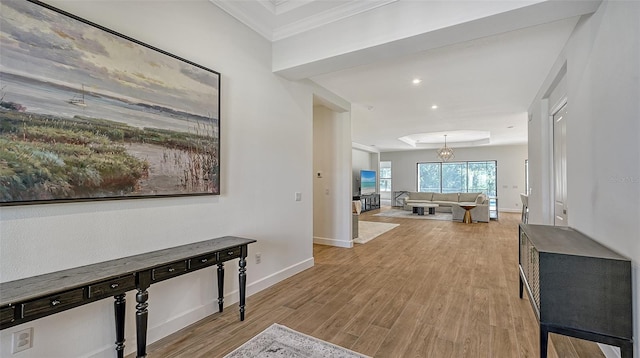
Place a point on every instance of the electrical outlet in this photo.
(22, 340)
(258, 257)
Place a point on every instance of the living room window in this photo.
(385, 176)
(430, 177)
(454, 177)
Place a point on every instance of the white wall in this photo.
(332, 191)
(266, 139)
(603, 128)
(510, 169)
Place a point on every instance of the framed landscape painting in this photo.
(90, 114)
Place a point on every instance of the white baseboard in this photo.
(110, 351)
(332, 242)
(189, 317)
(274, 278)
(509, 210)
(609, 351)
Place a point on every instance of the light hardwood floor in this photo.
(427, 288)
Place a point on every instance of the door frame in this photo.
(562, 103)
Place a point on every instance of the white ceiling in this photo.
(482, 87)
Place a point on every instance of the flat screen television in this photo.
(367, 182)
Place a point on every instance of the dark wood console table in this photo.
(576, 286)
(39, 296)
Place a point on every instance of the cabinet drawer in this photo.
(53, 303)
(168, 271)
(6, 315)
(229, 254)
(203, 261)
(112, 287)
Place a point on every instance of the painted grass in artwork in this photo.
(45, 157)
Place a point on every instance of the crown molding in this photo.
(262, 15)
(284, 6)
(364, 148)
(334, 14)
(270, 5)
(457, 138)
(249, 14)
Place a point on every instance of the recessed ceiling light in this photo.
(434, 106)
(416, 81)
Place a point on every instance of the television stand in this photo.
(370, 202)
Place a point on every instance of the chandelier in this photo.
(445, 153)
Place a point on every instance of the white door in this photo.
(560, 166)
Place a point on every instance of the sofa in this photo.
(450, 203)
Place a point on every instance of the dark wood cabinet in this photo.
(576, 286)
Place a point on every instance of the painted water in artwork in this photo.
(86, 114)
(367, 182)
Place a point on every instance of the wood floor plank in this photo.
(362, 319)
(370, 340)
(328, 310)
(427, 288)
(563, 344)
(477, 337)
(404, 328)
(503, 342)
(336, 323)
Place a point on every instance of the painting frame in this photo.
(122, 133)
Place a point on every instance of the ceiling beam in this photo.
(329, 48)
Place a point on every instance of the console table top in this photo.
(567, 241)
(37, 286)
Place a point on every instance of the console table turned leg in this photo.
(243, 284)
(141, 322)
(119, 307)
(220, 286)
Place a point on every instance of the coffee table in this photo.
(418, 208)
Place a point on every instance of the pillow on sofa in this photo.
(421, 196)
(468, 197)
(481, 198)
(445, 197)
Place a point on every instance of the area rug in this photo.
(278, 341)
(406, 214)
(369, 230)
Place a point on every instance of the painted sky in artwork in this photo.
(42, 44)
